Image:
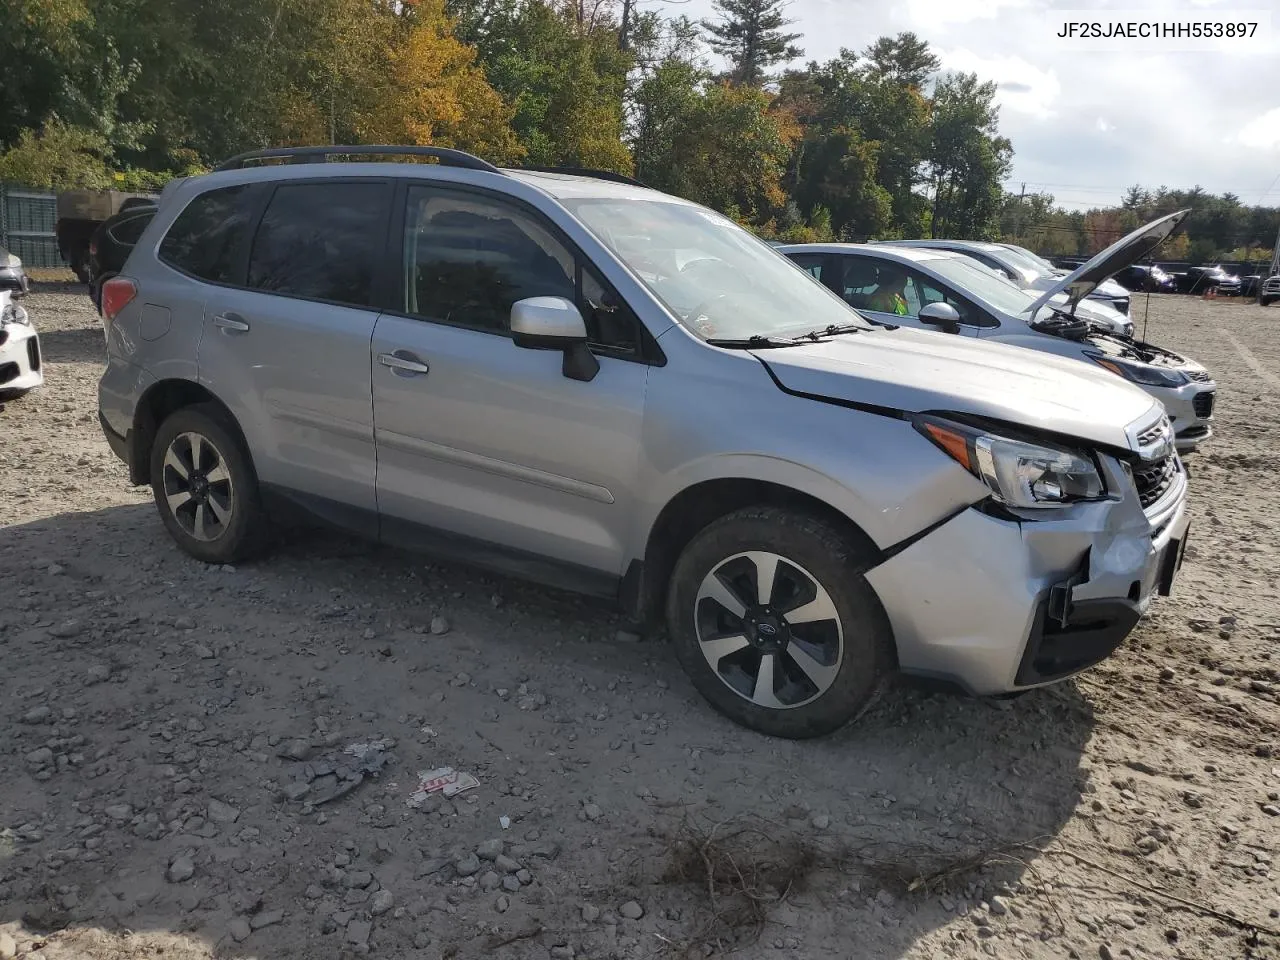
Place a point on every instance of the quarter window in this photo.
(204, 239)
(321, 241)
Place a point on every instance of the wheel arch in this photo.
(701, 503)
(162, 399)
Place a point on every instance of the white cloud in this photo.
(933, 12)
(1023, 87)
(1262, 132)
(1104, 127)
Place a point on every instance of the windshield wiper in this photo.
(753, 342)
(832, 330)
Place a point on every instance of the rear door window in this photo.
(322, 241)
(129, 231)
(207, 236)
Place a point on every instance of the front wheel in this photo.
(1266, 301)
(775, 625)
(205, 487)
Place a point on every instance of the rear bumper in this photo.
(997, 605)
(121, 446)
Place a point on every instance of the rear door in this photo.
(486, 447)
(287, 345)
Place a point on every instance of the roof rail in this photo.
(585, 172)
(446, 156)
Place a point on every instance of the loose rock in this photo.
(631, 910)
(181, 869)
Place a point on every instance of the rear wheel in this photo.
(775, 625)
(205, 487)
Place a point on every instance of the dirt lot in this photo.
(168, 733)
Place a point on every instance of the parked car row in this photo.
(919, 284)
(601, 387)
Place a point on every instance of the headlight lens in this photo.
(1020, 474)
(13, 313)
(1142, 373)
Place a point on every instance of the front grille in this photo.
(33, 354)
(1200, 376)
(1203, 404)
(1153, 480)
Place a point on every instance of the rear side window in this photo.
(129, 231)
(321, 241)
(204, 239)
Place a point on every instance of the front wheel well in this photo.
(695, 507)
(156, 405)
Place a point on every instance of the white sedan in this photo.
(20, 360)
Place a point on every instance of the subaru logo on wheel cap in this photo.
(767, 630)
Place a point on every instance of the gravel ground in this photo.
(175, 777)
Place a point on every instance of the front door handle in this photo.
(402, 361)
(229, 323)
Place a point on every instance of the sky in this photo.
(1087, 123)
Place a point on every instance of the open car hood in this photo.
(1126, 251)
(917, 371)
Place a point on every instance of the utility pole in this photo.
(1275, 257)
(1018, 230)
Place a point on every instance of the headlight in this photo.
(1142, 373)
(1020, 474)
(14, 314)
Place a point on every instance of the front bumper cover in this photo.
(995, 604)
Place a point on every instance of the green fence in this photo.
(27, 219)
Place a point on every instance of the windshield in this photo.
(1028, 259)
(982, 284)
(720, 281)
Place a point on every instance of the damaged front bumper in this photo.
(996, 603)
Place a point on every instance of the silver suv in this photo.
(601, 387)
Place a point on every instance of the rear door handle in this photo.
(229, 323)
(402, 361)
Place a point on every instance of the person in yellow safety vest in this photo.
(888, 297)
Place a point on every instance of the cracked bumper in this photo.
(996, 605)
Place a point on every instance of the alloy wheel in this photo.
(197, 486)
(769, 630)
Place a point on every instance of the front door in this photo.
(487, 443)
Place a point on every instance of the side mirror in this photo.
(554, 323)
(941, 315)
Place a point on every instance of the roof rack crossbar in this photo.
(586, 172)
(446, 156)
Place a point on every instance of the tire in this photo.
(224, 521)
(1266, 301)
(847, 655)
(8, 396)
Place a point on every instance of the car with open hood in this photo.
(944, 290)
(577, 380)
(1107, 303)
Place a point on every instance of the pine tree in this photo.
(751, 35)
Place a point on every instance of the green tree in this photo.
(751, 34)
(967, 159)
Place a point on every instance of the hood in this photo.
(1126, 251)
(917, 371)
